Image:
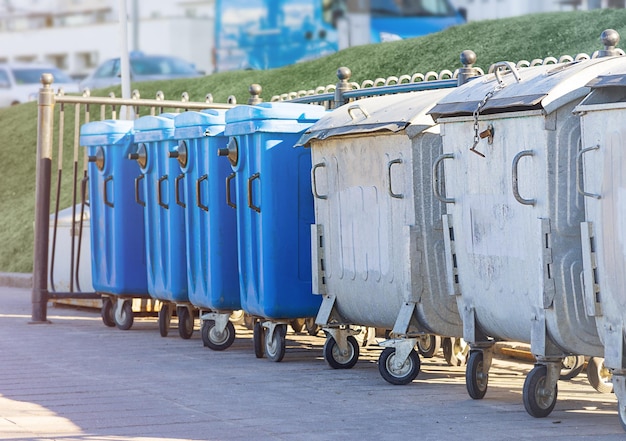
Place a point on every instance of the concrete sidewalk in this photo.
(76, 379)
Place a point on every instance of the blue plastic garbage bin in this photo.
(211, 225)
(118, 261)
(274, 216)
(164, 220)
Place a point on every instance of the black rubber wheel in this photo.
(476, 380)
(312, 328)
(275, 346)
(297, 325)
(124, 320)
(107, 312)
(164, 319)
(258, 339)
(599, 376)
(335, 358)
(405, 374)
(185, 322)
(218, 341)
(571, 366)
(455, 351)
(428, 345)
(538, 401)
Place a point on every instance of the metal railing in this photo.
(58, 132)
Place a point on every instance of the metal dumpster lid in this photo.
(150, 122)
(387, 113)
(546, 87)
(207, 117)
(605, 90)
(107, 127)
(615, 79)
(275, 110)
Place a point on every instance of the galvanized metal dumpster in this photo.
(211, 224)
(118, 263)
(66, 274)
(157, 191)
(513, 223)
(603, 161)
(377, 242)
(274, 216)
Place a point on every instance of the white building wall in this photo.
(493, 9)
(167, 27)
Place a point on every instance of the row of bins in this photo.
(198, 233)
(477, 211)
(472, 212)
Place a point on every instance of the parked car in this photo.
(142, 68)
(20, 82)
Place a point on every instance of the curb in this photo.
(16, 280)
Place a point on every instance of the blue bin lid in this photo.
(275, 110)
(154, 128)
(149, 122)
(105, 132)
(207, 117)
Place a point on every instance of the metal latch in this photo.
(488, 133)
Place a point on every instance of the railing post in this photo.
(468, 58)
(42, 199)
(610, 38)
(255, 94)
(343, 85)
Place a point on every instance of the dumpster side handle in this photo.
(229, 201)
(436, 179)
(514, 178)
(199, 192)
(179, 201)
(314, 181)
(107, 202)
(250, 204)
(138, 180)
(579, 185)
(389, 165)
(160, 194)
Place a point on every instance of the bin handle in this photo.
(138, 179)
(250, 204)
(514, 178)
(579, 185)
(106, 195)
(354, 107)
(508, 65)
(159, 194)
(314, 180)
(199, 192)
(176, 185)
(435, 180)
(229, 201)
(391, 193)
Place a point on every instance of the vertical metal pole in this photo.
(343, 74)
(42, 200)
(126, 112)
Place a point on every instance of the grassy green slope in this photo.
(529, 37)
